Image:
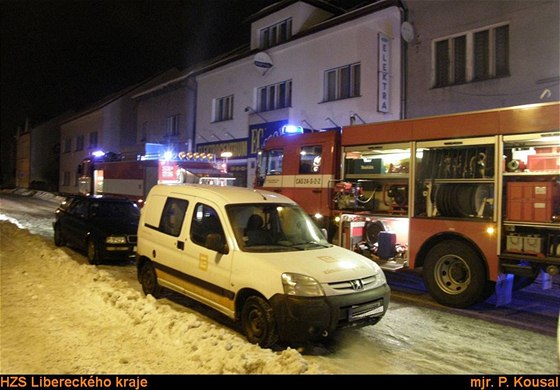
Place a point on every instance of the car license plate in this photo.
(369, 309)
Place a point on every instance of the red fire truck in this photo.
(472, 198)
(110, 174)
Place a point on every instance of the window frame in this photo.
(80, 143)
(223, 108)
(343, 82)
(274, 96)
(172, 125)
(275, 34)
(93, 140)
(484, 56)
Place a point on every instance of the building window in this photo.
(67, 145)
(473, 56)
(172, 128)
(275, 96)
(80, 143)
(223, 108)
(342, 83)
(93, 139)
(276, 34)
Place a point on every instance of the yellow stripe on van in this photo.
(193, 288)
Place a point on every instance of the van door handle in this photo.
(181, 245)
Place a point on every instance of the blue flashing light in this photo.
(291, 129)
(98, 153)
(168, 155)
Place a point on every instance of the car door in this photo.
(73, 223)
(209, 270)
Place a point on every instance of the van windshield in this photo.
(274, 228)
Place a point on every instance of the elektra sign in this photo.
(384, 77)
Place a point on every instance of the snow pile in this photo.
(52, 309)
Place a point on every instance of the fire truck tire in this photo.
(257, 320)
(93, 252)
(455, 274)
(148, 280)
(58, 237)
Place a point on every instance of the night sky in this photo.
(60, 55)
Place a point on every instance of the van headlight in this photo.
(116, 240)
(301, 285)
(381, 278)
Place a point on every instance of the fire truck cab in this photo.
(302, 166)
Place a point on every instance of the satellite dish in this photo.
(407, 31)
(262, 62)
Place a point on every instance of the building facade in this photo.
(475, 55)
(309, 64)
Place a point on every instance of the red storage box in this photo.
(531, 201)
(543, 162)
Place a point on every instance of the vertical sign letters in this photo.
(384, 76)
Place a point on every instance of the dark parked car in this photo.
(104, 227)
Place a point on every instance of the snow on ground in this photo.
(60, 317)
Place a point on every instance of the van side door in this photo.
(162, 237)
(208, 256)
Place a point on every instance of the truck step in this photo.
(390, 265)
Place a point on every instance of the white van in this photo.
(257, 257)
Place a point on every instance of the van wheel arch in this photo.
(258, 322)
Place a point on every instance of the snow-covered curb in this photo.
(44, 195)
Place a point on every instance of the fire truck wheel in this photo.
(257, 320)
(148, 280)
(58, 238)
(455, 274)
(92, 252)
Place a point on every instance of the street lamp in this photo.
(226, 155)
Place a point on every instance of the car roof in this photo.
(221, 194)
(101, 198)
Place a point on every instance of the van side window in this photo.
(205, 221)
(173, 216)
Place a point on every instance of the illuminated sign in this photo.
(237, 148)
(384, 75)
(259, 133)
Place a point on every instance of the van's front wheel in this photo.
(257, 320)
